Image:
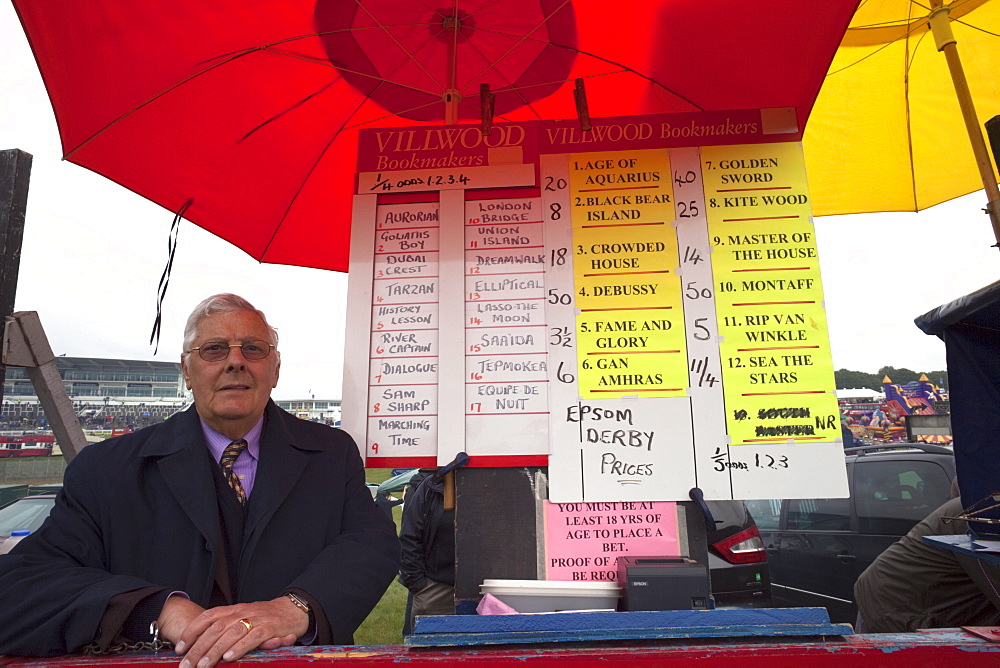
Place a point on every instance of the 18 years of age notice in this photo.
(584, 540)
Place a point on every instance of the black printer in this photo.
(663, 583)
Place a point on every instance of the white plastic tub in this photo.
(553, 595)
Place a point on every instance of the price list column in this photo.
(403, 372)
(711, 443)
(775, 351)
(630, 328)
(506, 359)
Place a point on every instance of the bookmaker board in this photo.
(638, 307)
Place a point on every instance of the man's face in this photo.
(230, 395)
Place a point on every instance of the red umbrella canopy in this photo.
(247, 111)
(407, 57)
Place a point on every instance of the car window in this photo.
(27, 513)
(728, 513)
(766, 513)
(892, 496)
(819, 514)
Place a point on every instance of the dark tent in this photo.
(970, 329)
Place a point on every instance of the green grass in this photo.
(384, 625)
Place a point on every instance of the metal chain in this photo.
(154, 645)
(122, 647)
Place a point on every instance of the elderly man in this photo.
(228, 527)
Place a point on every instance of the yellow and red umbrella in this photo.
(887, 132)
(244, 115)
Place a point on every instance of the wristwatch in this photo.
(300, 603)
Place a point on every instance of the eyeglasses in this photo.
(252, 350)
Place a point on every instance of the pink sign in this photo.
(583, 540)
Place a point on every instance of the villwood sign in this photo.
(639, 307)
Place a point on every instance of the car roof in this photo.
(898, 449)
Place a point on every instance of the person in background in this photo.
(913, 585)
(386, 502)
(232, 526)
(427, 541)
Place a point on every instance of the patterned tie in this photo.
(229, 456)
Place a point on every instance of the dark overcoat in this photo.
(140, 510)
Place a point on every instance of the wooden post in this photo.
(25, 344)
(15, 172)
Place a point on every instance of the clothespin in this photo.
(580, 95)
(487, 101)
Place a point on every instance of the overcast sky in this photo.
(93, 253)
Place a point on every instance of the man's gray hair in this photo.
(222, 303)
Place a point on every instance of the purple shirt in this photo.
(246, 468)
(246, 464)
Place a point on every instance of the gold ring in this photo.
(247, 623)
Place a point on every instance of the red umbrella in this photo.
(244, 113)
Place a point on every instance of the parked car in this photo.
(26, 513)
(737, 560)
(817, 548)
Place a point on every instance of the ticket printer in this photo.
(663, 583)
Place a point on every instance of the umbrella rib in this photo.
(288, 110)
(312, 168)
(388, 34)
(382, 80)
(157, 96)
(621, 69)
(229, 58)
(391, 114)
(492, 64)
(905, 36)
(520, 40)
(624, 68)
(651, 80)
(973, 27)
(910, 54)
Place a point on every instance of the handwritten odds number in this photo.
(560, 336)
(692, 292)
(553, 184)
(702, 333)
(564, 377)
(556, 297)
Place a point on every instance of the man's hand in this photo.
(219, 633)
(175, 616)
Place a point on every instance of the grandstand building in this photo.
(106, 393)
(91, 379)
(115, 393)
(326, 411)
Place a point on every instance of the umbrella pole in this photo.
(452, 96)
(945, 40)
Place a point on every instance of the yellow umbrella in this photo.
(887, 132)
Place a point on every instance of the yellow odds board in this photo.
(774, 345)
(630, 327)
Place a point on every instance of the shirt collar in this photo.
(217, 442)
